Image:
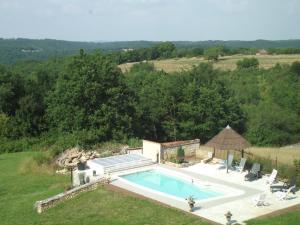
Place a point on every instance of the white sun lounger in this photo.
(209, 157)
(271, 179)
(225, 163)
(260, 200)
(242, 164)
(281, 195)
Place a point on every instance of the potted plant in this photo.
(191, 202)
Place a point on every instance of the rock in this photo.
(71, 157)
(124, 149)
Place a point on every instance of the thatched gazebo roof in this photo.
(228, 139)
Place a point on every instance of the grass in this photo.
(21, 185)
(23, 182)
(284, 155)
(289, 216)
(225, 63)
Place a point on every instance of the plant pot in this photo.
(191, 206)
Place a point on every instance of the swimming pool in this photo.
(160, 181)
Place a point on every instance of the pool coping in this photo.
(180, 204)
(241, 206)
(232, 192)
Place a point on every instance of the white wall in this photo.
(95, 166)
(151, 149)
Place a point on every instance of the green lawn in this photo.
(289, 218)
(19, 190)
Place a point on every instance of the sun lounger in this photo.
(260, 200)
(285, 186)
(271, 179)
(283, 195)
(254, 173)
(226, 163)
(241, 166)
(209, 157)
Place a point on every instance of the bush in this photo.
(7, 145)
(295, 67)
(248, 63)
(180, 154)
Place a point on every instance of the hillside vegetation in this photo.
(14, 50)
(86, 99)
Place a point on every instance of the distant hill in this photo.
(13, 50)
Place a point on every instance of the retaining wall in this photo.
(52, 201)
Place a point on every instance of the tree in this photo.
(164, 49)
(212, 53)
(91, 95)
(4, 120)
(248, 63)
(295, 67)
(11, 90)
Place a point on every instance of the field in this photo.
(225, 63)
(21, 186)
(283, 155)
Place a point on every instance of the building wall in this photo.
(151, 150)
(190, 148)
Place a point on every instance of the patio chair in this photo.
(254, 173)
(260, 200)
(271, 179)
(209, 157)
(282, 195)
(285, 186)
(225, 164)
(241, 166)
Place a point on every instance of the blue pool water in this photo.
(160, 181)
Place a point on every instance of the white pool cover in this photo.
(118, 163)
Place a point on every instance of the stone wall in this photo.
(52, 201)
(190, 147)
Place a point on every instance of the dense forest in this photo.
(14, 50)
(86, 99)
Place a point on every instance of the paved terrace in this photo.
(240, 206)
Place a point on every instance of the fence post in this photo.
(242, 153)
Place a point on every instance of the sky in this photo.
(154, 20)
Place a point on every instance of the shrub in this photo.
(180, 154)
(248, 63)
(295, 67)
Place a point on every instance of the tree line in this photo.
(15, 50)
(88, 97)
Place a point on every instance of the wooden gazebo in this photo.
(228, 139)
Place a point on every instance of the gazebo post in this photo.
(227, 160)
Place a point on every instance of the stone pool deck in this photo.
(240, 206)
